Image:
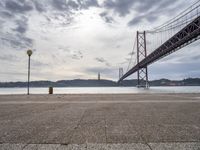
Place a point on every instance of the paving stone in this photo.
(42, 147)
(88, 134)
(104, 146)
(73, 147)
(11, 146)
(169, 133)
(175, 146)
(117, 147)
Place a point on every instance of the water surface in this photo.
(103, 90)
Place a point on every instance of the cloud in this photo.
(102, 60)
(106, 72)
(101, 70)
(65, 5)
(149, 11)
(5, 14)
(85, 4)
(39, 6)
(146, 10)
(106, 18)
(121, 7)
(77, 55)
(62, 13)
(135, 21)
(22, 25)
(8, 57)
(16, 41)
(150, 17)
(18, 6)
(13, 15)
(70, 5)
(57, 12)
(74, 54)
(37, 63)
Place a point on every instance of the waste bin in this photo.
(50, 90)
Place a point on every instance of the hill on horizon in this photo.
(102, 83)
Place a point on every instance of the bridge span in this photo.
(185, 36)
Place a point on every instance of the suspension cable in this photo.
(178, 17)
(132, 53)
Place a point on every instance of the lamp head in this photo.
(29, 52)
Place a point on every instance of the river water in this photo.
(103, 90)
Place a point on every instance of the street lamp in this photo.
(29, 53)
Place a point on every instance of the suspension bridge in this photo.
(155, 44)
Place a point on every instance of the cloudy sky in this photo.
(78, 38)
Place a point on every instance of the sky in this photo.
(76, 39)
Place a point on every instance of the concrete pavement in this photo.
(138, 121)
(88, 146)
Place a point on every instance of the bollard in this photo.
(50, 90)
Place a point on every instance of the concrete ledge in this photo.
(90, 146)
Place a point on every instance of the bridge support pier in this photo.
(142, 73)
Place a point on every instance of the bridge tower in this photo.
(142, 73)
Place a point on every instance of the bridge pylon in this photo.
(142, 73)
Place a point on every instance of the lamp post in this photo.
(29, 53)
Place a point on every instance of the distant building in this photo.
(99, 76)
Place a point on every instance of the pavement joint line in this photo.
(105, 129)
(24, 146)
(78, 125)
(149, 146)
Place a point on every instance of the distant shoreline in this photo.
(101, 83)
(103, 86)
